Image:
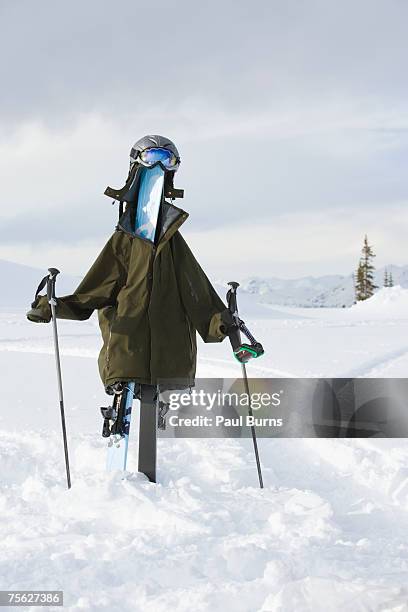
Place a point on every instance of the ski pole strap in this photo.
(40, 287)
(246, 331)
(244, 352)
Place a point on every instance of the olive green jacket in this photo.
(151, 299)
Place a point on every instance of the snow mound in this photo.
(388, 302)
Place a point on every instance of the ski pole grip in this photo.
(53, 272)
(234, 334)
(232, 297)
(234, 285)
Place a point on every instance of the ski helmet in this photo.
(154, 148)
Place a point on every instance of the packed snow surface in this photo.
(328, 532)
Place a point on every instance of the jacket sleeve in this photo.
(98, 289)
(201, 302)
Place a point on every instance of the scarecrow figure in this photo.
(150, 292)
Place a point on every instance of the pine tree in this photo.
(386, 278)
(390, 280)
(365, 286)
(359, 282)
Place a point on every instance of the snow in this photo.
(327, 533)
(390, 302)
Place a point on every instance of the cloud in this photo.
(294, 244)
(62, 60)
(303, 243)
(278, 109)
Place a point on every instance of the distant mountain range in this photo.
(18, 284)
(335, 291)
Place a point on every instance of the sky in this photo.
(291, 119)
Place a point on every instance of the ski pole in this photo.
(53, 272)
(253, 433)
(235, 338)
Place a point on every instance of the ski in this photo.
(116, 426)
(148, 431)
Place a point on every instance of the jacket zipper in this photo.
(150, 280)
(107, 349)
(108, 344)
(190, 335)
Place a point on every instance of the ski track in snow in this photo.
(256, 370)
(327, 534)
(377, 366)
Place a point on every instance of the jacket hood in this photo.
(170, 218)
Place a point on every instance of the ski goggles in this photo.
(157, 155)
